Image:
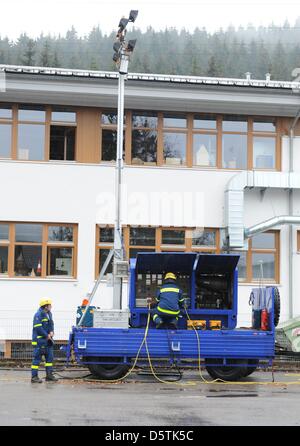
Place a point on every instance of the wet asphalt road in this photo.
(142, 401)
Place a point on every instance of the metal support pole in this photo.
(290, 258)
(119, 163)
(121, 57)
(92, 294)
(118, 248)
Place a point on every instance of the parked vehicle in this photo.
(207, 329)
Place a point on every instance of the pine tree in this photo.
(94, 65)
(5, 51)
(229, 53)
(29, 53)
(56, 60)
(46, 57)
(242, 63)
(253, 57)
(214, 68)
(279, 69)
(263, 61)
(195, 66)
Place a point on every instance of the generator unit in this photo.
(209, 284)
(210, 287)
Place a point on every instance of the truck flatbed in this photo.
(210, 283)
(92, 344)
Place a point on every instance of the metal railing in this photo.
(16, 333)
(15, 339)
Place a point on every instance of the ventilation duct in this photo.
(268, 224)
(234, 198)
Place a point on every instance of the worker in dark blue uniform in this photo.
(169, 301)
(42, 334)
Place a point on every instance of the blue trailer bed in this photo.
(176, 344)
(210, 284)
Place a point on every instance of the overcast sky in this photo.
(57, 16)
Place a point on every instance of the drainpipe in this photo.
(291, 196)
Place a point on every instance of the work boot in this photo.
(51, 377)
(160, 324)
(36, 379)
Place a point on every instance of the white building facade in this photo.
(185, 139)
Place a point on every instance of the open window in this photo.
(62, 142)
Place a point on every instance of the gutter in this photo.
(150, 77)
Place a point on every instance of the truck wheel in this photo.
(250, 370)
(276, 306)
(108, 371)
(227, 373)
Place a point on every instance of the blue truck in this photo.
(210, 287)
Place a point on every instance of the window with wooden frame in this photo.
(234, 142)
(104, 243)
(205, 138)
(202, 140)
(265, 143)
(173, 239)
(261, 262)
(6, 126)
(109, 121)
(31, 132)
(38, 250)
(204, 240)
(156, 239)
(61, 250)
(144, 138)
(4, 247)
(174, 139)
(28, 246)
(141, 239)
(37, 133)
(63, 134)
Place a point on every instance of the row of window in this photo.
(37, 133)
(229, 142)
(156, 138)
(260, 262)
(46, 250)
(38, 250)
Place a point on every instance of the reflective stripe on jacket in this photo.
(170, 299)
(42, 326)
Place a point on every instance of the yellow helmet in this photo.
(45, 301)
(170, 276)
